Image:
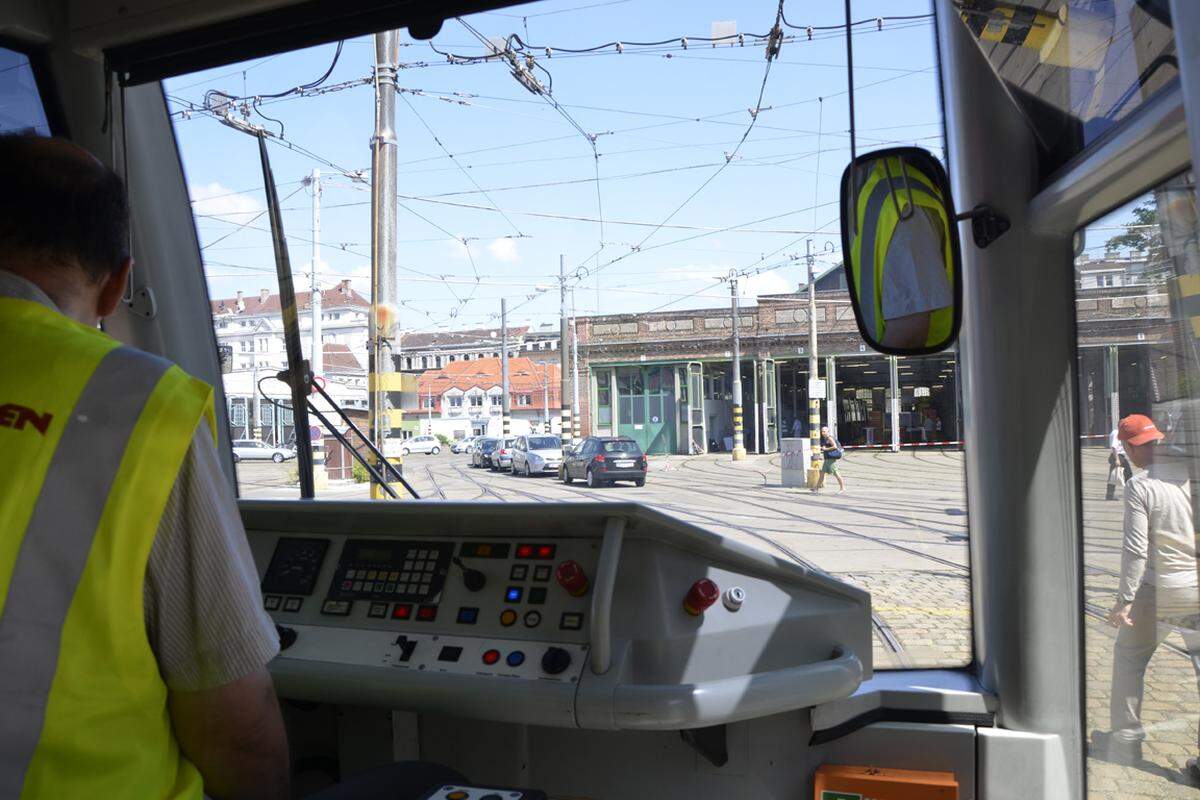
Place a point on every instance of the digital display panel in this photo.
(397, 570)
(294, 566)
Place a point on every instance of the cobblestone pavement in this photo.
(900, 531)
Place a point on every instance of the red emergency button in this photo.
(702, 595)
(491, 657)
(572, 578)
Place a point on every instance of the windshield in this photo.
(582, 233)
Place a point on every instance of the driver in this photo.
(133, 643)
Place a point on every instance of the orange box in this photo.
(837, 782)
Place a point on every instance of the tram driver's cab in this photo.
(607, 650)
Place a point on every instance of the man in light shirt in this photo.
(1158, 591)
(1118, 463)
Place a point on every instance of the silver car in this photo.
(254, 450)
(502, 458)
(536, 455)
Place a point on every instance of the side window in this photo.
(1139, 381)
(21, 108)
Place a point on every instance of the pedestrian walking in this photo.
(1158, 589)
(831, 450)
(1119, 471)
(798, 428)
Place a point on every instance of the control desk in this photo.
(593, 615)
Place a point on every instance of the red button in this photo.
(427, 613)
(402, 611)
(524, 551)
(571, 577)
(702, 595)
(545, 551)
(491, 657)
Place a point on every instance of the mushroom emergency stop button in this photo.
(702, 595)
(571, 577)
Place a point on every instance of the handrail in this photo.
(719, 702)
(602, 594)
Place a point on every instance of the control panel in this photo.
(604, 616)
(482, 793)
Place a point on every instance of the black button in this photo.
(555, 660)
(492, 796)
(537, 595)
(450, 653)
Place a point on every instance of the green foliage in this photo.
(359, 472)
(443, 438)
(1142, 233)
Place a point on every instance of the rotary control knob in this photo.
(473, 579)
(555, 660)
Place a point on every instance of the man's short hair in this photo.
(59, 207)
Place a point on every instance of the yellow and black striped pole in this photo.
(382, 420)
(739, 438)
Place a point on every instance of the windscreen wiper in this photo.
(298, 375)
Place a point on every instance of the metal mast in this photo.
(739, 441)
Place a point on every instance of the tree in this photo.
(1142, 233)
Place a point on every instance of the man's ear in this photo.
(113, 289)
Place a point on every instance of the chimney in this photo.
(263, 294)
(344, 286)
(241, 303)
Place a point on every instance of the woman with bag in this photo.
(832, 450)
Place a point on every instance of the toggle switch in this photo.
(571, 577)
(702, 595)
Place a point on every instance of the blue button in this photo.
(515, 659)
(467, 616)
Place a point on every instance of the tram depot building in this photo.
(665, 378)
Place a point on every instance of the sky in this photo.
(496, 182)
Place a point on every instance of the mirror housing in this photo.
(901, 251)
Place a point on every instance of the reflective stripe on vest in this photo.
(93, 435)
(57, 543)
(876, 225)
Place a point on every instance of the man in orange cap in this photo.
(1158, 590)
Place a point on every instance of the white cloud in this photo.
(504, 250)
(214, 199)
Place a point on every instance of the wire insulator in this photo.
(683, 42)
(741, 40)
(620, 48)
(808, 30)
(549, 53)
(879, 23)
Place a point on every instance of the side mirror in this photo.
(901, 252)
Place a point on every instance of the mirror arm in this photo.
(987, 224)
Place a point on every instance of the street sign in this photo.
(816, 388)
(314, 433)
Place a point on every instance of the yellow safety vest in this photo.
(92, 435)
(877, 220)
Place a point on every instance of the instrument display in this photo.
(295, 566)
(389, 569)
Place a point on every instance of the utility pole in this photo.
(429, 406)
(545, 395)
(576, 422)
(317, 355)
(506, 401)
(739, 441)
(384, 305)
(814, 404)
(564, 348)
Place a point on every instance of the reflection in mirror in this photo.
(902, 253)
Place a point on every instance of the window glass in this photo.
(1078, 67)
(1139, 383)
(21, 109)
(659, 175)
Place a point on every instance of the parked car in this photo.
(534, 455)
(502, 459)
(421, 444)
(482, 450)
(254, 450)
(461, 445)
(600, 460)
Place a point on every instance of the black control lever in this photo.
(473, 579)
(287, 636)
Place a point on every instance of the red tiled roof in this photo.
(338, 356)
(341, 296)
(524, 377)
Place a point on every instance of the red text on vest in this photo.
(17, 416)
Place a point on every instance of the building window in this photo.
(476, 401)
(603, 397)
(524, 400)
(456, 401)
(497, 400)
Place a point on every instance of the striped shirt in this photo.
(202, 605)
